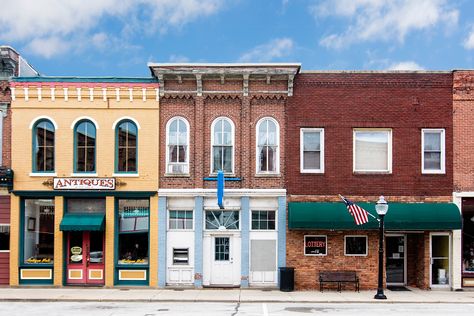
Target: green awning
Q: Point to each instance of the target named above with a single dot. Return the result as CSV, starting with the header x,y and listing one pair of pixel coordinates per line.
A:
x,y
400,216
82,221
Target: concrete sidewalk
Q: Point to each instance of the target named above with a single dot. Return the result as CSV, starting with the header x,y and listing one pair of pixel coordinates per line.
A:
x,y
77,294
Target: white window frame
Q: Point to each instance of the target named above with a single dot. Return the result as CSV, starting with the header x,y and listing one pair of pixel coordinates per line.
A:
x,y
264,210
315,255
321,157
257,152
357,255
389,149
232,129
186,164
178,229
442,133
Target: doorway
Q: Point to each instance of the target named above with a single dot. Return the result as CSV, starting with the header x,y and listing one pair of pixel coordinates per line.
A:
x,y
440,263
85,257
395,256
222,261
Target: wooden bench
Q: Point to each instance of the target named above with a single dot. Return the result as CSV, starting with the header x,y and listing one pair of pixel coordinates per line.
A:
x,y
338,277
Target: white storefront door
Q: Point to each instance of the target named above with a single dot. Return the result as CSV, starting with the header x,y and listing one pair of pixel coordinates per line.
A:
x,y
222,270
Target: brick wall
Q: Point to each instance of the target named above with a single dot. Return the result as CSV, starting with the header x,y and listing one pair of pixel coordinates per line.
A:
x,y
5,97
4,256
340,102
463,109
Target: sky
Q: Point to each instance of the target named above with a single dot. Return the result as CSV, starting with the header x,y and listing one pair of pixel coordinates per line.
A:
x,y
119,37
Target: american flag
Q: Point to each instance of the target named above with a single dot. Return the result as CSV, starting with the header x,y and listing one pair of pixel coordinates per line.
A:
x,y
359,214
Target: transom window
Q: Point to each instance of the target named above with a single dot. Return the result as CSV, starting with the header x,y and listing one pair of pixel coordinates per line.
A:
x,y
267,146
180,220
43,146
126,147
222,145
263,220
85,142
433,160
222,220
312,150
177,157
373,150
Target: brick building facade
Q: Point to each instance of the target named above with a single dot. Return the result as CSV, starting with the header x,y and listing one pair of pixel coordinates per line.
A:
x,y
232,118
369,134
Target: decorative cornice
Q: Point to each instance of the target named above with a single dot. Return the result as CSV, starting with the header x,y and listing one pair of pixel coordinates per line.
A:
x,y
228,192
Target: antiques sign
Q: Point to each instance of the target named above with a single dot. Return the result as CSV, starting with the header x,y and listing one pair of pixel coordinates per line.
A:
x,y
315,245
84,183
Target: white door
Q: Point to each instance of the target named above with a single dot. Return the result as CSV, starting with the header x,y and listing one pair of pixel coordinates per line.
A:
x,y
222,261
440,263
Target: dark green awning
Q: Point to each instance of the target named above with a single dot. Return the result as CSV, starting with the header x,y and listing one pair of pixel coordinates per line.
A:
x,y
400,216
82,221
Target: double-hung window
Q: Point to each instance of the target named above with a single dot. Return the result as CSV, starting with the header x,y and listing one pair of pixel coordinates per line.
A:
x,y
312,150
43,146
267,146
85,144
177,146
222,145
373,150
181,220
433,151
126,139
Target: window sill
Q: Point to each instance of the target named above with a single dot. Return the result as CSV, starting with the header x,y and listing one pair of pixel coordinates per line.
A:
x,y
43,174
125,175
181,230
85,174
302,171
425,172
177,175
267,175
372,173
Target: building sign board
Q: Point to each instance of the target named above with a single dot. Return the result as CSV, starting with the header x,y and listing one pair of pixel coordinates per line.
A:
x,y
315,245
84,183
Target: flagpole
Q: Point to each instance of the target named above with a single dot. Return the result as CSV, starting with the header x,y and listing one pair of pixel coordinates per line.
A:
x,y
342,198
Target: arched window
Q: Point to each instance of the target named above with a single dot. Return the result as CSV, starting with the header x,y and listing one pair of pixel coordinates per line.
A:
x,y
267,146
84,143
177,146
222,145
126,140
43,146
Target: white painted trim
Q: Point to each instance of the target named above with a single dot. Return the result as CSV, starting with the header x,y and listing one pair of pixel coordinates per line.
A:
x,y
114,125
223,64
40,96
74,270
257,154
188,130
84,118
13,93
441,131
357,255
228,192
232,129
389,150
43,174
463,194
53,96
79,94
321,157
4,251
91,94
43,117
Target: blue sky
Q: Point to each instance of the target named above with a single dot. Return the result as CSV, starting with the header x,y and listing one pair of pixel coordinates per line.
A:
x,y
119,38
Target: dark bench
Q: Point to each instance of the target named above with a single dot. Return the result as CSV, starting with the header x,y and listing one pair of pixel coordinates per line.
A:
x,y
338,277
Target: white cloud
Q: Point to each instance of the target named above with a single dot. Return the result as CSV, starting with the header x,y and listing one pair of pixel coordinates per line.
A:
x,y
276,48
178,59
406,65
33,22
48,47
469,42
383,19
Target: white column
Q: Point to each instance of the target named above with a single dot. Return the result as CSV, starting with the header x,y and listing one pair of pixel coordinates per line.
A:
x,y
456,276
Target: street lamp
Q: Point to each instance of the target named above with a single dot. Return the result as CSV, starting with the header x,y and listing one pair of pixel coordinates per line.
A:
x,y
381,208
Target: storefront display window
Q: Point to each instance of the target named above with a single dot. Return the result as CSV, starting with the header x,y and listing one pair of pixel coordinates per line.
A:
x,y
468,242
355,245
38,231
133,217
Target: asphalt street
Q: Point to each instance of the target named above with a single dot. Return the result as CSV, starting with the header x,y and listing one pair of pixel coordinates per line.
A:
x,y
229,309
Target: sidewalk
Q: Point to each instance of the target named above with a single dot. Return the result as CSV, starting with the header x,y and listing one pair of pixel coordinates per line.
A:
x,y
77,294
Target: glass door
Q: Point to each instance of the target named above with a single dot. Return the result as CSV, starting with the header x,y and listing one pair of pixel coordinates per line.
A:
x,y
440,260
395,259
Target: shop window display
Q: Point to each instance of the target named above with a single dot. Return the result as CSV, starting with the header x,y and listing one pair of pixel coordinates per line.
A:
x,y
38,231
468,242
133,216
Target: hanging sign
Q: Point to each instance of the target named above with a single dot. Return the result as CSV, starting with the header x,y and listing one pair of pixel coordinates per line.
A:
x,y
315,245
84,183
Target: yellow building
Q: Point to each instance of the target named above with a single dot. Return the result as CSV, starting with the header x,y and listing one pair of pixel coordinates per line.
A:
x,y
84,202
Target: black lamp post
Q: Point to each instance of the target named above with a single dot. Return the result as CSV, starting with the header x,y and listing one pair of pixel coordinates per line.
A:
x,y
381,208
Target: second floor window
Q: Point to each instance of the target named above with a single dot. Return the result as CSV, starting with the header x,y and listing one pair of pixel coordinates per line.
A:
x,y
85,142
433,151
312,150
177,138
267,146
127,147
373,150
222,145
43,147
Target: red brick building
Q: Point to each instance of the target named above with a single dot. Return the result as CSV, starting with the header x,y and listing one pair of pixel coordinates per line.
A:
x,y
229,117
361,135
463,103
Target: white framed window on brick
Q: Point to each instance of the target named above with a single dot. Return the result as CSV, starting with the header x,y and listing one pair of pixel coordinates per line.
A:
x,y
433,151
373,150
355,245
312,150
315,245
268,149
180,220
177,146
263,220
222,143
